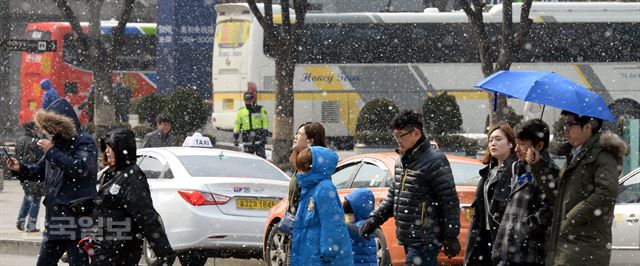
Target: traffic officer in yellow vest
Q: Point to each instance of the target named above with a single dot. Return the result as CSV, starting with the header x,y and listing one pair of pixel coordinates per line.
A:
x,y
252,122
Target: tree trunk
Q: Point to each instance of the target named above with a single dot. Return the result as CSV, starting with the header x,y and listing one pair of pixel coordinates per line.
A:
x,y
509,47
284,101
104,112
498,110
284,43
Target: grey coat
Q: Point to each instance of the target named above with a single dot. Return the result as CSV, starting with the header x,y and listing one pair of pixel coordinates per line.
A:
x,y
156,139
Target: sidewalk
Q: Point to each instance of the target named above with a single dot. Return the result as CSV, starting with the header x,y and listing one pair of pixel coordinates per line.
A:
x,y
13,241
16,242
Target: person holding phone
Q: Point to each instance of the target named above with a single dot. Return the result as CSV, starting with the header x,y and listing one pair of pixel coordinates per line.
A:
x,y
6,158
69,169
28,151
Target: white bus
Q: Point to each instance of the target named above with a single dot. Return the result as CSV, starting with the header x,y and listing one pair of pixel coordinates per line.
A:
x,y
348,59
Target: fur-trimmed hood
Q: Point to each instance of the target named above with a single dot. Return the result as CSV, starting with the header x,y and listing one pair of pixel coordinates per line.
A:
x,y
57,121
614,144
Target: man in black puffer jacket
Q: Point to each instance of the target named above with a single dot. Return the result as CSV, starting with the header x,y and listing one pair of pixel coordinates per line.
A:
x,y
422,199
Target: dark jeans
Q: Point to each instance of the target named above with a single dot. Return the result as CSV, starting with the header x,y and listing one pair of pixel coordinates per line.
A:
x,y
257,149
30,206
122,116
421,254
52,250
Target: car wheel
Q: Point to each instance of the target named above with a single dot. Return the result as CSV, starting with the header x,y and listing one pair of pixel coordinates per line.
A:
x,y
382,252
149,256
278,249
192,259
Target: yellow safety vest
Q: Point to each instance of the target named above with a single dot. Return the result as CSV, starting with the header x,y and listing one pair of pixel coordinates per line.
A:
x,y
251,123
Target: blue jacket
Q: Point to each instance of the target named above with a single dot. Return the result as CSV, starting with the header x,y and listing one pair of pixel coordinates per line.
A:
x,y
50,94
364,251
69,169
320,234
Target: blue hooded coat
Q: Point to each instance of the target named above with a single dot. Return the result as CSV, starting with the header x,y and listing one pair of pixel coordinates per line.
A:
x,y
50,94
68,169
364,251
320,234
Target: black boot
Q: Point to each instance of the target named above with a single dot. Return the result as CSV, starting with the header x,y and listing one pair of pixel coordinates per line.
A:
x,y
20,225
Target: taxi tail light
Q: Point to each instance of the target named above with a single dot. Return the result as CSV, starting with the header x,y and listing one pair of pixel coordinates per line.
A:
x,y
197,198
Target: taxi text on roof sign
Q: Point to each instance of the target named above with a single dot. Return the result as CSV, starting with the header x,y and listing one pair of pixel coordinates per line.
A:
x,y
197,140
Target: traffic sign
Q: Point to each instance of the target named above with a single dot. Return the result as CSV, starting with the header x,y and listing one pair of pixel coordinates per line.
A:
x,y
34,46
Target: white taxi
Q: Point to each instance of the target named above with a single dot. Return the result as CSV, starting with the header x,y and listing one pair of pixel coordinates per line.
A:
x,y
213,202
625,249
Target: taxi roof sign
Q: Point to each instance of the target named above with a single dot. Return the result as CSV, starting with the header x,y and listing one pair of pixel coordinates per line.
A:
x,y
197,140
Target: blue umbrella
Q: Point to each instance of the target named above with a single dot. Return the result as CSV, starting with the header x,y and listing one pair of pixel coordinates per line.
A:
x,y
548,88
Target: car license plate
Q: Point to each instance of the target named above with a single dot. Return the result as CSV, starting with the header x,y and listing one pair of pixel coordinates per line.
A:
x,y
244,203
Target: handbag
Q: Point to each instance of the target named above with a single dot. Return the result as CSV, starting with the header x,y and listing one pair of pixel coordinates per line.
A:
x,y
286,224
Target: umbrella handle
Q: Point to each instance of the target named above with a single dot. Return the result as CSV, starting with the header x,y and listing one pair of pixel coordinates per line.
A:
x,y
542,113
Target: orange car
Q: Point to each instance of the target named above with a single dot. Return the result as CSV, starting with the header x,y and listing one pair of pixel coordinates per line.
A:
x,y
375,171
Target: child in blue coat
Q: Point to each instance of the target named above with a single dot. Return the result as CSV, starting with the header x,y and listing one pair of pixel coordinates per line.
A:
x,y
320,234
358,205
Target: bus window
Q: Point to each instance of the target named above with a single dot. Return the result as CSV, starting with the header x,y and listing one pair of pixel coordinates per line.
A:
x,y
232,33
227,104
73,54
38,35
344,43
138,54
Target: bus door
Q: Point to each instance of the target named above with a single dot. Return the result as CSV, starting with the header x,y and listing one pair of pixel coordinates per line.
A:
x,y
231,56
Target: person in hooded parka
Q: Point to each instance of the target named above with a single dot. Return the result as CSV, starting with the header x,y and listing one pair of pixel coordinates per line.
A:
x,y
358,205
124,199
69,169
320,234
587,188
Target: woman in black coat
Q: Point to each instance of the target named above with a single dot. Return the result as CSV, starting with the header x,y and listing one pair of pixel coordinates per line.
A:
x,y
125,212
492,195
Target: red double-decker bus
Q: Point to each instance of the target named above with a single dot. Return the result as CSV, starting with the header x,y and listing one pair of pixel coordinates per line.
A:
x,y
70,72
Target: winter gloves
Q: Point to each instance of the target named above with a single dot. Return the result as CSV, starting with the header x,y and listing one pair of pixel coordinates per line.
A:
x,y
369,227
451,247
235,139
